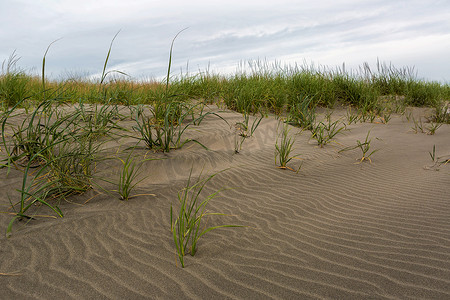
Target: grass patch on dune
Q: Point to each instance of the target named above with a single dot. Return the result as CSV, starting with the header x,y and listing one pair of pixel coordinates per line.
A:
x,y
365,148
284,147
188,225
274,88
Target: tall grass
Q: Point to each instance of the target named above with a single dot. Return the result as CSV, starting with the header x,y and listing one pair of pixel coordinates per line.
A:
x,y
164,128
302,113
266,87
13,83
57,150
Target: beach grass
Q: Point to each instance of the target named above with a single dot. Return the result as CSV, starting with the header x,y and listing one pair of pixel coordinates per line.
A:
x,y
189,224
324,131
284,147
128,176
267,87
365,148
244,130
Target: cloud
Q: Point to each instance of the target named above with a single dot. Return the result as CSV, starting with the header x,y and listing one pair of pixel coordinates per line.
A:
x,y
222,34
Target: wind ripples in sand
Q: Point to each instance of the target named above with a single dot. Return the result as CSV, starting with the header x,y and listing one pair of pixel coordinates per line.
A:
x,y
334,230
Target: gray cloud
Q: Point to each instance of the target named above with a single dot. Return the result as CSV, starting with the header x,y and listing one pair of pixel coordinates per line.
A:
x,y
224,33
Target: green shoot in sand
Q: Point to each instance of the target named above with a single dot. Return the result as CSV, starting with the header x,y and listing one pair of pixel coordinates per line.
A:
x,y
187,228
364,147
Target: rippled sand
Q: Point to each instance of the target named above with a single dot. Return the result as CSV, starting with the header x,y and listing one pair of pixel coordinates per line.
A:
x,y
337,229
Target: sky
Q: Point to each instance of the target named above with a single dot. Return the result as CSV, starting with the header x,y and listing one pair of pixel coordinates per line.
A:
x,y
221,36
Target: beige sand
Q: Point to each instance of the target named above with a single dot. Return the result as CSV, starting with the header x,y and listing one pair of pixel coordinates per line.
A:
x,y
334,230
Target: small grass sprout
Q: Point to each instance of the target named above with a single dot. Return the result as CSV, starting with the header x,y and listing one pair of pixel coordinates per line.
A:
x,y
372,116
243,130
418,125
128,177
438,160
284,148
324,132
187,228
433,154
386,117
351,116
238,141
433,127
364,147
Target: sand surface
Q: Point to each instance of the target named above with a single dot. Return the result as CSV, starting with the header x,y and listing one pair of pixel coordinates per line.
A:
x,y
336,229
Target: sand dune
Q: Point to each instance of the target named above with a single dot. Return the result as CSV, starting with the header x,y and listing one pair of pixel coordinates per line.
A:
x,y
337,229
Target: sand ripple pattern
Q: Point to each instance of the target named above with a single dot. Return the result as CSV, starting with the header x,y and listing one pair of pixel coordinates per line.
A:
x,y
335,230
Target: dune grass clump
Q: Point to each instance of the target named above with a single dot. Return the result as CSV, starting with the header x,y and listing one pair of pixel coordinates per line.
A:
x,y
67,168
13,83
324,132
56,156
364,147
283,149
43,128
73,162
163,130
99,120
244,130
352,116
302,113
128,176
169,118
441,113
189,225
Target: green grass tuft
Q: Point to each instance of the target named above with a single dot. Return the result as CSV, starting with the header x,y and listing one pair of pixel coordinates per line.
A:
x,y
189,225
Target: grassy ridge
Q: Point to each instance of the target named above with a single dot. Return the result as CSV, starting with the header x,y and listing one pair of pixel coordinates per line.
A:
x,y
265,87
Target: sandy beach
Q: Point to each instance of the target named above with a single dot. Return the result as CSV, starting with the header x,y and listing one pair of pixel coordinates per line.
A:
x,y
337,229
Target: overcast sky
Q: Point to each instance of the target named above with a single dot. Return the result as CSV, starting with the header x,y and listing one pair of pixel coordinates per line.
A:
x,y
221,34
